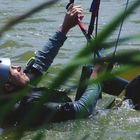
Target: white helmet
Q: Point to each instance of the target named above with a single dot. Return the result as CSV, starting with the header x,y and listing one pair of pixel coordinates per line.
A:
x,y
5,64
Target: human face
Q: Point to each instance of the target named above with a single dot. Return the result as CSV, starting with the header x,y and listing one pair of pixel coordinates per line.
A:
x,y
17,76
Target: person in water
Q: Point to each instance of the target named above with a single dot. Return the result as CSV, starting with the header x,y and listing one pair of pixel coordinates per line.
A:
x,y
13,78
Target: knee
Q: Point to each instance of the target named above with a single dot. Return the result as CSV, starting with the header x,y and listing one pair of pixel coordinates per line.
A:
x,y
133,90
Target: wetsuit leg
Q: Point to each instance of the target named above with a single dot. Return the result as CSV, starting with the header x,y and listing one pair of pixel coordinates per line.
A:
x,y
133,91
114,86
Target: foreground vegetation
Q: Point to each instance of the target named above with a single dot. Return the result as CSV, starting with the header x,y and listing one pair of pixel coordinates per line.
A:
x,y
83,57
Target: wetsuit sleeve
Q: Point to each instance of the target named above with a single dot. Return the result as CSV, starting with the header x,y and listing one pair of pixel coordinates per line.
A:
x,y
56,111
81,108
45,56
86,104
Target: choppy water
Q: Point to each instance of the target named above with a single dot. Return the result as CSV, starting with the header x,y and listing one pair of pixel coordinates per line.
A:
x,y
24,39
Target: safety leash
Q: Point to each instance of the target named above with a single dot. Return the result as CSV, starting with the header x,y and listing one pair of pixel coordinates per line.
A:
x,y
94,9
110,65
